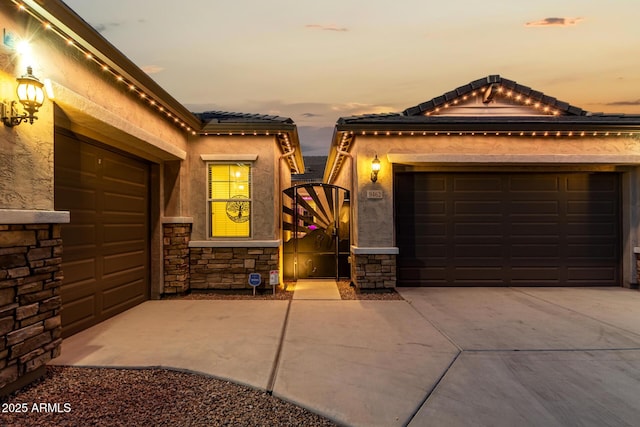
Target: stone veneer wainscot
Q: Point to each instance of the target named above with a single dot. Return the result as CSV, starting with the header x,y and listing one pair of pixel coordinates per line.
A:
x,y
373,268
30,280
175,247
214,266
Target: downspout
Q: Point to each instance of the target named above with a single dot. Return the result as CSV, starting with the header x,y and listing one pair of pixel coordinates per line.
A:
x,y
281,249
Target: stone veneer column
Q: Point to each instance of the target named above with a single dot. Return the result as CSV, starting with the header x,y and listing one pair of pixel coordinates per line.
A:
x,y
176,237
229,267
30,280
373,268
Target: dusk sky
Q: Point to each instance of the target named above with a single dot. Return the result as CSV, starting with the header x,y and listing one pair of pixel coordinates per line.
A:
x,y
315,61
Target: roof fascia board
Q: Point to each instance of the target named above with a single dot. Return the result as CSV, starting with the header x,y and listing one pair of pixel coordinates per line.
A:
x,y
634,126
248,127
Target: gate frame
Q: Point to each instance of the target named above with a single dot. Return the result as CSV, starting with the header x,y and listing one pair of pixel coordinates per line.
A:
x,y
336,223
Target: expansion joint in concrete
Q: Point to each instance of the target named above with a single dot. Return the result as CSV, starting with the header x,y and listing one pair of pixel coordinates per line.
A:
x,y
276,360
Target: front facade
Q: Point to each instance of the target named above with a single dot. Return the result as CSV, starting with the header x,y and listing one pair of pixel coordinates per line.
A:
x,y
491,184
116,193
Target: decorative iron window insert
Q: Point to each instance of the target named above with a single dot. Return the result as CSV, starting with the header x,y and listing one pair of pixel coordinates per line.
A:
x,y
229,199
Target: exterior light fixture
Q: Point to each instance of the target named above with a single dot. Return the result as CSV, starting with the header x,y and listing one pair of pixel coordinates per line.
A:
x,y
30,94
375,168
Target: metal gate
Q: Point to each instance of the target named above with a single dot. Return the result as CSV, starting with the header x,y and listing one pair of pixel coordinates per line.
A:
x,y
316,231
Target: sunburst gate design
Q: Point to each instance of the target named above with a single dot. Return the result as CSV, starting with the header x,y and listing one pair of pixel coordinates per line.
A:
x,y
316,231
238,209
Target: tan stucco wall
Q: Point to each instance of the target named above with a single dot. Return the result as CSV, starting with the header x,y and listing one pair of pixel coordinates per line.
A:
x,y
26,157
265,194
373,224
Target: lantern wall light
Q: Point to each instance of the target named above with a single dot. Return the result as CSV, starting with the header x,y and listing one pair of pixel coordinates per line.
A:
x,y
30,94
375,168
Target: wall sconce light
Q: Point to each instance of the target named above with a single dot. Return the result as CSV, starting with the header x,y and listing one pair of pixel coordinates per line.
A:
x,y
375,168
31,96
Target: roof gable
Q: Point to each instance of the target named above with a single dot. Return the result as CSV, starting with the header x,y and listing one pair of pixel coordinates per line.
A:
x,y
494,96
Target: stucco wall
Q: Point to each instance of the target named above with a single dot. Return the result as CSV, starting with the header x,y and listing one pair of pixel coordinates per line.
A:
x,y
26,157
264,180
375,227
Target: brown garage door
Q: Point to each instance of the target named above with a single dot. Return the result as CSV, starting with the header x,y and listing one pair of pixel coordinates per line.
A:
x,y
495,229
106,245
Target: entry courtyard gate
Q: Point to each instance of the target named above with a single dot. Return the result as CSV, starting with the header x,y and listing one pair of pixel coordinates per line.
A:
x,y
316,231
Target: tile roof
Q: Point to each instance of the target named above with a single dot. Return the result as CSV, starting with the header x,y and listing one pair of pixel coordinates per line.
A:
x,y
314,169
230,117
284,130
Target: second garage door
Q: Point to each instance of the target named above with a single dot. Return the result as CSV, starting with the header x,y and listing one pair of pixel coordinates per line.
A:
x,y
105,258
507,229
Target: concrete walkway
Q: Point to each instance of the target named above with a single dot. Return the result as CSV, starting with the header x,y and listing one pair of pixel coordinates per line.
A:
x,y
316,289
456,356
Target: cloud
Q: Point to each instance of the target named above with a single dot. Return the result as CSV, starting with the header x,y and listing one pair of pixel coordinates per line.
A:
x,y
311,115
554,22
152,69
356,108
634,103
327,27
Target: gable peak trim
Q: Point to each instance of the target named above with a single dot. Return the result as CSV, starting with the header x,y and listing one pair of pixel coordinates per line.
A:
x,y
491,87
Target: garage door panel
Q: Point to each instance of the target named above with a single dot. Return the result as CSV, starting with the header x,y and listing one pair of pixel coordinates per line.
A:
x,y
537,229
534,207
478,229
480,251
424,206
525,185
77,270
79,312
124,203
591,207
592,229
477,183
591,250
470,274
125,170
125,233
430,229
585,275
560,229
477,208
78,199
123,261
584,183
79,235
533,250
417,276
528,274
106,245
432,251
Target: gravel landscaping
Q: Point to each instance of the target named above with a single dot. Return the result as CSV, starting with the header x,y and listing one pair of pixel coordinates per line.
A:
x,y
238,294
347,292
146,397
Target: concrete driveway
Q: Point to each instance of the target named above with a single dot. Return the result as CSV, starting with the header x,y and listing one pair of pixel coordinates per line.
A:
x,y
534,356
443,357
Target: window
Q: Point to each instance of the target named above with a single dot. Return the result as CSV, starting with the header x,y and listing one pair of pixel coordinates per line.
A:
x,y
229,199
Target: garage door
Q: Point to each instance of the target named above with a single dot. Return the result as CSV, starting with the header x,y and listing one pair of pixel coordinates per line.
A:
x,y
106,245
494,229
